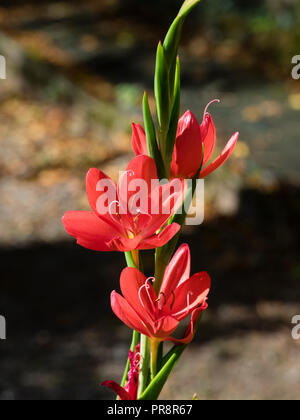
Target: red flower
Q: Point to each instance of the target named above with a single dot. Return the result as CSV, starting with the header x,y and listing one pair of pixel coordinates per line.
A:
x,y
117,222
188,150
131,388
159,316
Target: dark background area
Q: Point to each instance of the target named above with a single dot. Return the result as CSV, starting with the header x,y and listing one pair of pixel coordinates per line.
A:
x,y
76,74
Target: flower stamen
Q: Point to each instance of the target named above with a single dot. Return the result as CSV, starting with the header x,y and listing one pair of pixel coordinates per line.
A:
x,y
147,286
115,215
208,105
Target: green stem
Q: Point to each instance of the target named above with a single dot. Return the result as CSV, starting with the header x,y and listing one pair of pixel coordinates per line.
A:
x,y
144,366
169,362
154,389
154,356
162,139
131,262
160,356
163,255
134,260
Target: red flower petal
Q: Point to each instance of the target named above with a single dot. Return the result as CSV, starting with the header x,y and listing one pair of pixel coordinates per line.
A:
x,y
177,271
161,239
140,168
208,136
125,244
139,142
118,390
94,178
90,231
190,294
222,158
191,330
167,200
166,328
132,280
127,314
92,187
172,195
187,155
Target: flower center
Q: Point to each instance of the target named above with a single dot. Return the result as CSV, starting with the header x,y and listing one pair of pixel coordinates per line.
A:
x,y
161,300
130,234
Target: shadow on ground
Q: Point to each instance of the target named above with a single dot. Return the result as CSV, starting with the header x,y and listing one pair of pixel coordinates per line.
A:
x,y
62,335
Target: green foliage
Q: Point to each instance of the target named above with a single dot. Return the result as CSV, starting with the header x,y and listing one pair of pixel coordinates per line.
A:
x,y
153,150
162,90
175,114
167,86
154,389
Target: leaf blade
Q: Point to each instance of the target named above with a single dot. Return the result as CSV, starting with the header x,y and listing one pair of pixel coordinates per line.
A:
x,y
171,137
152,146
154,389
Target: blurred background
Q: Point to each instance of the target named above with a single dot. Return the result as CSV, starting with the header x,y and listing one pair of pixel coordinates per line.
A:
x,y
76,72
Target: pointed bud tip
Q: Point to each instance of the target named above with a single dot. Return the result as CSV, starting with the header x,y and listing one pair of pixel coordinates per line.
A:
x,y
184,248
189,115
